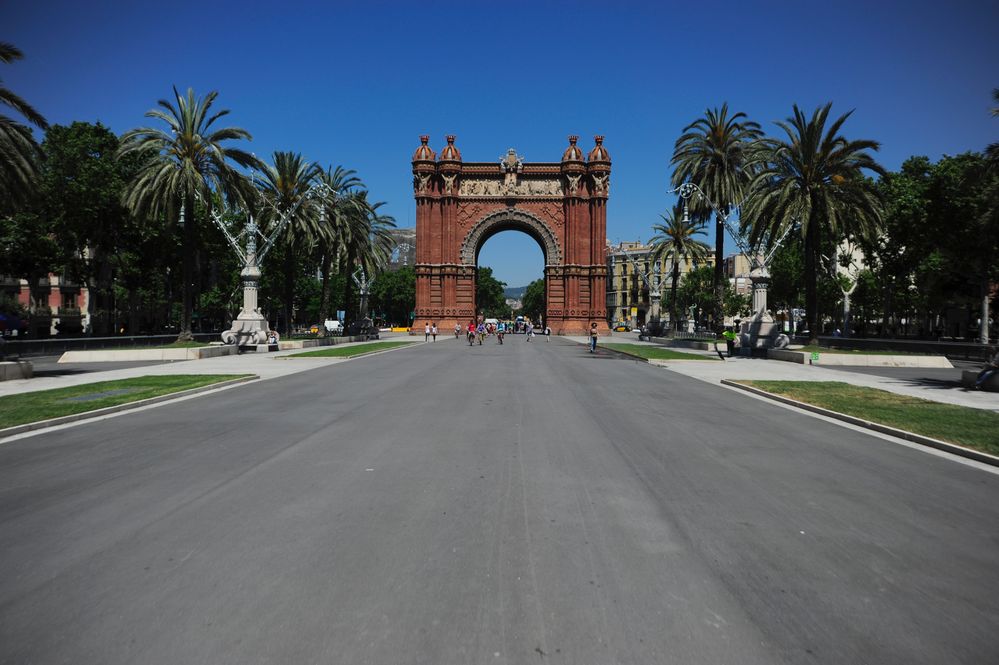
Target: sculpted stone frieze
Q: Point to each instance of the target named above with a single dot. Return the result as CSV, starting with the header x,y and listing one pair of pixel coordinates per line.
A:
x,y
491,187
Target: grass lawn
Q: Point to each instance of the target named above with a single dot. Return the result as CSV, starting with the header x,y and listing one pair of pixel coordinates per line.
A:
x,y
655,352
974,428
857,352
44,404
347,351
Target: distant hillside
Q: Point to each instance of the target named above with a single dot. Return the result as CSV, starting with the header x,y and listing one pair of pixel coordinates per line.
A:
x,y
514,291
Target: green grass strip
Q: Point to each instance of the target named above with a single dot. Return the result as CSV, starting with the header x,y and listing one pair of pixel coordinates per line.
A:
x,y
655,352
45,404
974,428
350,351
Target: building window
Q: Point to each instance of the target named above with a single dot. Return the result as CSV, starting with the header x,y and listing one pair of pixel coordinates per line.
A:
x,y
69,300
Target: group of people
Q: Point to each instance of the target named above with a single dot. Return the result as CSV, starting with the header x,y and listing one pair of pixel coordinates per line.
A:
x,y
479,331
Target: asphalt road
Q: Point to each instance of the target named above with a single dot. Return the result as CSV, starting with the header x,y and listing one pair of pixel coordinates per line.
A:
x,y
524,503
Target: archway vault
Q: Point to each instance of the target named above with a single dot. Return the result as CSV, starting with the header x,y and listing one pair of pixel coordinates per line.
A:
x,y
562,205
510,219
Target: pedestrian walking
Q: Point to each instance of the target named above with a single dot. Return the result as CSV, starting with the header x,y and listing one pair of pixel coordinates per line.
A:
x,y
530,331
548,334
457,330
426,332
433,331
593,337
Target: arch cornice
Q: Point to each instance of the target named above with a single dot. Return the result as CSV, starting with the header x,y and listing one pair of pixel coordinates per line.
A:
x,y
510,218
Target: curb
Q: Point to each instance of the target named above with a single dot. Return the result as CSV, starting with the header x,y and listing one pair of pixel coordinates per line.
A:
x,y
951,448
292,356
97,413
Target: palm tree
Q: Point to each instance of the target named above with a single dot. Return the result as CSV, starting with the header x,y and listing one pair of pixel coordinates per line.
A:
x,y
184,162
813,180
341,212
284,187
711,154
19,153
675,238
365,244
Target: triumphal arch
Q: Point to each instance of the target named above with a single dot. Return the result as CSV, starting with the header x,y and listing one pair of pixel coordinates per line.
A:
x,y
562,205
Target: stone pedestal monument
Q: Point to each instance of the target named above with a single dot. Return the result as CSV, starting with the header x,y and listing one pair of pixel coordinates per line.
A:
x,y
249,330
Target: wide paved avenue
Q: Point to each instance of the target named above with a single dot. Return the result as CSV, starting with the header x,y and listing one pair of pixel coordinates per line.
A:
x,y
524,503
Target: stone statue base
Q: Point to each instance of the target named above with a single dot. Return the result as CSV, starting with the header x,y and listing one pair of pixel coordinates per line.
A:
x,y
248,331
760,331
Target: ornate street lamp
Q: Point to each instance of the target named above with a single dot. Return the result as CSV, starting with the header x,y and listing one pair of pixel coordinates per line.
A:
x,y
761,322
249,329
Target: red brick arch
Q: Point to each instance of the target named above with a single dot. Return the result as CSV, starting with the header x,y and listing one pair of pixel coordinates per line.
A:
x,y
562,205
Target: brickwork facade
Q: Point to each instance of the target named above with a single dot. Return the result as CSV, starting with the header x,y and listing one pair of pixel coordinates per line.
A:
x,y
561,205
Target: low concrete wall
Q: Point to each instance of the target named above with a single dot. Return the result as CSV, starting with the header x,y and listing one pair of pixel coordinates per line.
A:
x,y
857,359
139,355
19,369
685,343
322,341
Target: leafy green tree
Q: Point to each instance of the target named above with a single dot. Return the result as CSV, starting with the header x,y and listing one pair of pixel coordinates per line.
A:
x,y
908,239
490,298
963,196
814,180
284,187
992,151
186,161
534,300
19,153
82,181
676,238
712,154
394,294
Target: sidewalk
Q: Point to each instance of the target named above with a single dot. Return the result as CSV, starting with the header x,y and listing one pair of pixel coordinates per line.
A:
x,y
264,365
777,370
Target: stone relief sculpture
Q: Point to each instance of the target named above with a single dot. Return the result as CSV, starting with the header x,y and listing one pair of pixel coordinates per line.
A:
x,y
421,182
573,183
471,187
511,164
601,184
449,182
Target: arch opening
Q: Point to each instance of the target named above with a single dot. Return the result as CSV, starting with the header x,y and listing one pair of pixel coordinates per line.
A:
x,y
513,259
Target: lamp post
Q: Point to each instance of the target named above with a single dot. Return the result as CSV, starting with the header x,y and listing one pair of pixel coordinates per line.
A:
x,y
249,329
761,323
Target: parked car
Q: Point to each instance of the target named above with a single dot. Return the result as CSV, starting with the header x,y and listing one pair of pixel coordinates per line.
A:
x,y
621,326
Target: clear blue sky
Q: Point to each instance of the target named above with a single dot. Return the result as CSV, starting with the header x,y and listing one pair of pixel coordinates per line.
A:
x,y
357,83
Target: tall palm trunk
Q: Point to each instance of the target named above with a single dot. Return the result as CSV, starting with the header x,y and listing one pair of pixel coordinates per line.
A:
x,y
811,283
348,291
719,285
672,295
289,287
325,309
188,272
